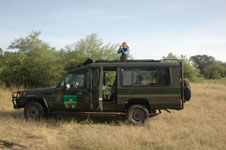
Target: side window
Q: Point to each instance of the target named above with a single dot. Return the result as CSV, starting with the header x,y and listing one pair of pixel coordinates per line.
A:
x,y
61,83
163,76
127,77
145,77
76,80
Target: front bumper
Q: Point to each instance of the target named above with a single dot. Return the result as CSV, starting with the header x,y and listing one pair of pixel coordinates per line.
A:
x,y
17,100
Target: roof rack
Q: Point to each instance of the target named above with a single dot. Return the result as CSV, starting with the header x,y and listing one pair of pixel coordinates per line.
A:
x,y
170,60
89,61
136,60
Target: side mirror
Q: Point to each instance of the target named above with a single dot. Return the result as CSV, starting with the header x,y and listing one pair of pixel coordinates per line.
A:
x,y
67,86
104,80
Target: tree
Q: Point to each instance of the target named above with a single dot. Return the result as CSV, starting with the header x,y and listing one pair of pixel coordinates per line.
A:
x,y
1,52
35,64
12,70
215,71
202,61
1,57
190,71
90,47
28,43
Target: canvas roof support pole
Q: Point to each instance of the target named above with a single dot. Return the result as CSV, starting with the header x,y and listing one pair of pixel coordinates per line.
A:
x,y
100,89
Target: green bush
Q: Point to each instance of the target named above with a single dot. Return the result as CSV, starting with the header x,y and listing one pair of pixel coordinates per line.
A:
x,y
215,71
35,64
190,72
90,47
202,61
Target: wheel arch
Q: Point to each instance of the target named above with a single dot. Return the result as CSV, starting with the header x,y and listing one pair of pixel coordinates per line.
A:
x,y
140,101
40,100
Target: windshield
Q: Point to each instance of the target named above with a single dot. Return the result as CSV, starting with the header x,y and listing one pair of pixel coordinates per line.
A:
x,y
74,80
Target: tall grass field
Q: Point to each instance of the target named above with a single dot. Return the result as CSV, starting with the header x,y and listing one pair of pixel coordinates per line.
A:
x,y
200,126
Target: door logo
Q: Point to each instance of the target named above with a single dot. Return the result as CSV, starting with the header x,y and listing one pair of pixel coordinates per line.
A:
x,y
70,101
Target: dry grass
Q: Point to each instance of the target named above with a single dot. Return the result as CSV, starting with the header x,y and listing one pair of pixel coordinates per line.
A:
x,y
201,125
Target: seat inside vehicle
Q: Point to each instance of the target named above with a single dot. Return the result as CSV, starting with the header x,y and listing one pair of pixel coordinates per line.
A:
x,y
109,90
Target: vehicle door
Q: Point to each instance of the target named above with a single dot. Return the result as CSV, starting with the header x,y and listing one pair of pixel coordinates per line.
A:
x,y
73,93
97,81
95,88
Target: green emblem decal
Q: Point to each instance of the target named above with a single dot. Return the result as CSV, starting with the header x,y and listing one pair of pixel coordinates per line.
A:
x,y
70,101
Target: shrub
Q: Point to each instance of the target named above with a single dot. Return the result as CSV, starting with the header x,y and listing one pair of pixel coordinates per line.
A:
x,y
190,72
215,71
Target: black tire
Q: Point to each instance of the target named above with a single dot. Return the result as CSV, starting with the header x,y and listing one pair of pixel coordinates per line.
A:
x,y
34,111
187,90
137,114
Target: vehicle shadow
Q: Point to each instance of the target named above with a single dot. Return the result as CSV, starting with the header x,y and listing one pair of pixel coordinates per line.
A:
x,y
88,119
85,119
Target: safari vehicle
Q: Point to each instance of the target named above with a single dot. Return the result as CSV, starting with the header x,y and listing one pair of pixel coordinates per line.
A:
x,y
135,88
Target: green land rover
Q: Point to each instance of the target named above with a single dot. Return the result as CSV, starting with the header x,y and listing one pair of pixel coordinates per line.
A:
x,y
135,88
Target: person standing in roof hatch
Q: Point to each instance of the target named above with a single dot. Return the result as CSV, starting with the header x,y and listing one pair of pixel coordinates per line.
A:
x,y
124,49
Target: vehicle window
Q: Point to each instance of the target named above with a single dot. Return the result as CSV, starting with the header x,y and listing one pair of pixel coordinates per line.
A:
x,y
127,77
146,77
75,80
62,83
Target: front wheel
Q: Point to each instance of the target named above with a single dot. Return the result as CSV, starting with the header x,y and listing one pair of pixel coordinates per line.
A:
x,y
137,114
34,111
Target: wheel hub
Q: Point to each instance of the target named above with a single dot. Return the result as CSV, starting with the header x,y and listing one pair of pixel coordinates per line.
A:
x,y
138,115
32,112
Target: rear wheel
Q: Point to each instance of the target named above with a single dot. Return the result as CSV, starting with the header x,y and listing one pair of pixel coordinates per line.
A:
x,y
137,114
34,111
